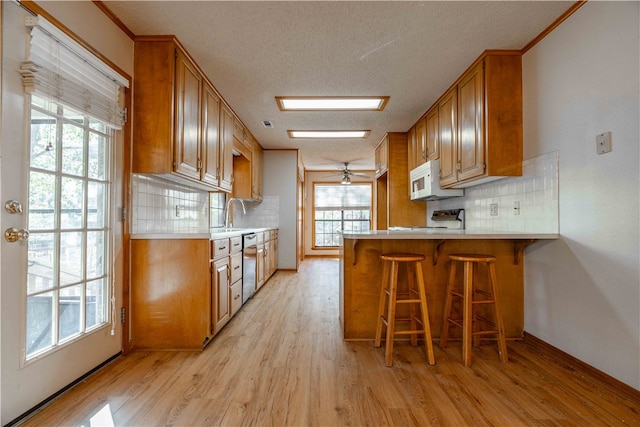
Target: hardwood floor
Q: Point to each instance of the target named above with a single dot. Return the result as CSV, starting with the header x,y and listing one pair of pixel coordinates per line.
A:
x,y
282,361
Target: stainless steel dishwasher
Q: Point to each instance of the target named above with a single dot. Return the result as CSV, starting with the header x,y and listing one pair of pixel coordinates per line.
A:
x,y
249,251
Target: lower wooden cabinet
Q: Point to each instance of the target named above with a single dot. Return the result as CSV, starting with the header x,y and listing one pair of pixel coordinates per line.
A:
x,y
170,294
220,281
184,291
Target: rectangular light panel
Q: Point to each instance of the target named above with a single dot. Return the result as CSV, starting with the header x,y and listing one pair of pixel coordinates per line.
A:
x,y
328,133
335,103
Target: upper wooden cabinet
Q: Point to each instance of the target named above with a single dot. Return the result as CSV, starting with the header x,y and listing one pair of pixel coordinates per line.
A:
x,y
413,148
393,206
176,119
447,133
432,137
475,128
382,156
247,171
256,170
488,142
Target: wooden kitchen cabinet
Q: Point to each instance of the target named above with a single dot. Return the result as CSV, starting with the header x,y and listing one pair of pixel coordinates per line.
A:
x,y
413,148
256,170
170,294
271,253
487,143
226,280
421,141
381,156
447,132
247,171
260,263
220,283
432,137
176,121
393,207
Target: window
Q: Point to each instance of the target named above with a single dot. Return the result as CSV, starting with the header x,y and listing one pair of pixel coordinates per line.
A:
x,y
68,273
338,208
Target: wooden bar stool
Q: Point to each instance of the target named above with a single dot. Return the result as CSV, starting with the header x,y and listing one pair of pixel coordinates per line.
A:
x,y
412,297
470,320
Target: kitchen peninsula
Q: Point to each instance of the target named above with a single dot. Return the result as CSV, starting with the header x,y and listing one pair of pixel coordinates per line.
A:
x,y
361,272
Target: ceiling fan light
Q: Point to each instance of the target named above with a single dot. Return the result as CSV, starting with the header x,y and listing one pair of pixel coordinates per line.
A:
x,y
346,180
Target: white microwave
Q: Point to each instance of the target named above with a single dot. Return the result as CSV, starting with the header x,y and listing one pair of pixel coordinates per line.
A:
x,y
425,183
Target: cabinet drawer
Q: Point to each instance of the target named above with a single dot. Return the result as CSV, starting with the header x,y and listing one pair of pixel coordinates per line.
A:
x,y
236,244
235,296
219,247
236,267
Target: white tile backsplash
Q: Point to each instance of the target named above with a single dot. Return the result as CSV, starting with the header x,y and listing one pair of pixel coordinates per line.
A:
x,y
161,206
264,214
536,190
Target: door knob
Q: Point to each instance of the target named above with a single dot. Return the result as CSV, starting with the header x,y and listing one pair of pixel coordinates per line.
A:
x,y
13,206
13,234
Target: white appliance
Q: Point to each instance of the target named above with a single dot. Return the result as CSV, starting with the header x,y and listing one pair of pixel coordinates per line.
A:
x,y
425,183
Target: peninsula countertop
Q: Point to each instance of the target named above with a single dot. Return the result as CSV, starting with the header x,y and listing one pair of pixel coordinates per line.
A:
x,y
422,233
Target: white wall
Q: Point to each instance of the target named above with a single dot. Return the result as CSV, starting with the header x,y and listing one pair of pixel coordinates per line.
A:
x,y
582,293
279,187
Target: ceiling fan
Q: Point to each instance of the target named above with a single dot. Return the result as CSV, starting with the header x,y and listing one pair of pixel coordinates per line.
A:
x,y
346,174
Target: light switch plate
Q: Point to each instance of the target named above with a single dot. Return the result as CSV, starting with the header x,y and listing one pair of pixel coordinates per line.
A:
x,y
603,143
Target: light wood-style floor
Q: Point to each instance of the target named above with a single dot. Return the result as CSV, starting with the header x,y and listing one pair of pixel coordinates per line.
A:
x,y
282,362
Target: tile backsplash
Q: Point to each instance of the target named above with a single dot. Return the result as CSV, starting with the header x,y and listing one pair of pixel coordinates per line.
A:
x,y
264,214
536,191
162,206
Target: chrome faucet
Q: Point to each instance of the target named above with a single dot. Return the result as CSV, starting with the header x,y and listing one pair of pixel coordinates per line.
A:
x,y
226,215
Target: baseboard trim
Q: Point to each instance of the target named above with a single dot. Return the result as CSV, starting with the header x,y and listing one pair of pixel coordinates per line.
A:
x,y
540,345
60,392
337,256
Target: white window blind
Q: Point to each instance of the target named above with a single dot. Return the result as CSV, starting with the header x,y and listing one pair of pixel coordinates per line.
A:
x,y
60,69
342,197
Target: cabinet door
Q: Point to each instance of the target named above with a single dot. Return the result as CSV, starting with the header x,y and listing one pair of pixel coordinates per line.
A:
x,y
187,156
421,141
432,136
381,156
210,136
413,148
259,266
470,134
256,171
447,117
220,314
225,161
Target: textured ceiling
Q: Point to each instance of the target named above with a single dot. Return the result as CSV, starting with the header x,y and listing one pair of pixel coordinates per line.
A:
x,y
410,51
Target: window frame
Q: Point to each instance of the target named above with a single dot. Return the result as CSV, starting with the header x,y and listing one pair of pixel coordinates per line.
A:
x,y
313,211
109,136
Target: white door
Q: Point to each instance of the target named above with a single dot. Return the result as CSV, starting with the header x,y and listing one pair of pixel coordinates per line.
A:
x,y
57,318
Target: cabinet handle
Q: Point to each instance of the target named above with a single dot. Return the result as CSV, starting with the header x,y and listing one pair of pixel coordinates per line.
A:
x,y
222,248
236,297
236,267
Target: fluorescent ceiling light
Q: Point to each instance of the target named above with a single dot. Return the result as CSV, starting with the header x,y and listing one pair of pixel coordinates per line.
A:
x,y
328,133
336,103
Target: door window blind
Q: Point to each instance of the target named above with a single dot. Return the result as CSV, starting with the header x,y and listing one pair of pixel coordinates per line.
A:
x,y
60,69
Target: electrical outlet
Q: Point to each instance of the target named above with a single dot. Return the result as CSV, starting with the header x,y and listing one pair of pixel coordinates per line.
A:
x,y
603,143
516,208
493,209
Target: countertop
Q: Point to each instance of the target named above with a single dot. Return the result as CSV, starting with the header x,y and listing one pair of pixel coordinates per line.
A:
x,y
440,233
212,235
